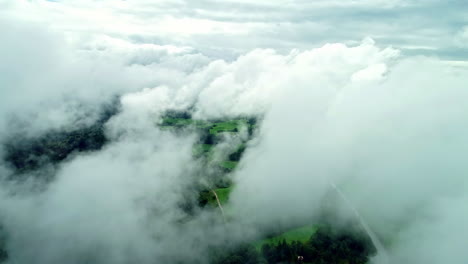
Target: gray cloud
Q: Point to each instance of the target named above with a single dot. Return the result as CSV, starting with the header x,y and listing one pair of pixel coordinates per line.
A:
x,y
229,28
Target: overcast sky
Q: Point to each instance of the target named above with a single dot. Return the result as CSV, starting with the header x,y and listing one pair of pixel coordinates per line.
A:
x,y
228,28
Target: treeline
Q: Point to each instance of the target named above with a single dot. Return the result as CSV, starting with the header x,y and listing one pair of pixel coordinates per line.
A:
x,y
27,154
324,247
30,154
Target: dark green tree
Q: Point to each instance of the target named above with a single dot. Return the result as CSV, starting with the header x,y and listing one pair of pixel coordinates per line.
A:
x,y
244,254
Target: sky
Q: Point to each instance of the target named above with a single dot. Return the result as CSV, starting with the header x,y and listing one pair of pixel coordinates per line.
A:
x,y
224,29
377,86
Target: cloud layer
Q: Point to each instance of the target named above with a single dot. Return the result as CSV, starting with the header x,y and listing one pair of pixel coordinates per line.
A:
x,y
387,128
229,28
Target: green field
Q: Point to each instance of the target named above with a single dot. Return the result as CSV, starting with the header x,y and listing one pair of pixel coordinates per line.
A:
x,y
223,194
229,165
227,126
214,127
301,234
201,149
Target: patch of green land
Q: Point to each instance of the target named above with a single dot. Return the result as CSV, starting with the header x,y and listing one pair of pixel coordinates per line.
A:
x,y
223,194
201,149
301,234
207,197
227,126
214,127
229,165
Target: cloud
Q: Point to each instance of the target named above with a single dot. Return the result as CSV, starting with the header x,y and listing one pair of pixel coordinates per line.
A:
x,y
230,28
69,83
111,212
394,145
389,129
461,39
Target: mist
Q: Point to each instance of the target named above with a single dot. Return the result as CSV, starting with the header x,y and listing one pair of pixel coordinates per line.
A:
x,y
387,127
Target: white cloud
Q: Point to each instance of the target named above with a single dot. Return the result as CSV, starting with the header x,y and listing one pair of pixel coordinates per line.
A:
x,y
388,129
394,146
212,25
461,39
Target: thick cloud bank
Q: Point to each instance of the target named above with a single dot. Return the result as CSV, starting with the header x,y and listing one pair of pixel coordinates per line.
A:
x,y
390,131
393,142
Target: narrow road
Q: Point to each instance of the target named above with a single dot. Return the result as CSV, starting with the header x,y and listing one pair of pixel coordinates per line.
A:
x,y
219,205
381,251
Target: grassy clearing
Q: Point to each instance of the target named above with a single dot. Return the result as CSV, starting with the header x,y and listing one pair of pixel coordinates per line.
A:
x,y
301,234
201,149
223,194
202,124
229,165
228,126
214,128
